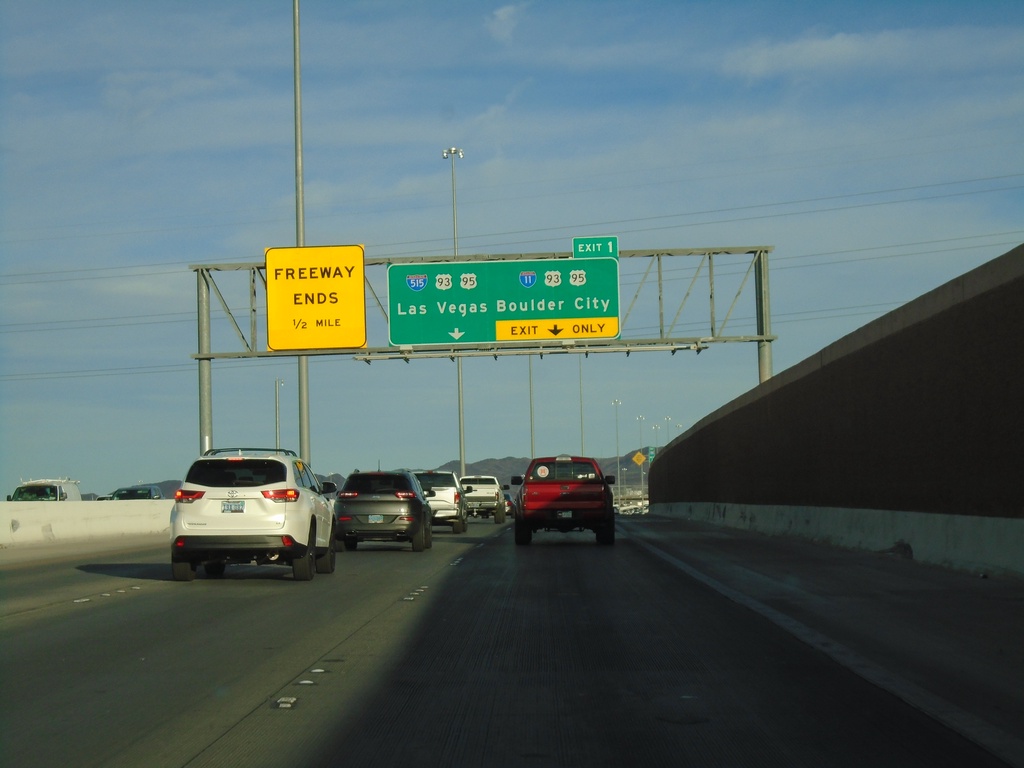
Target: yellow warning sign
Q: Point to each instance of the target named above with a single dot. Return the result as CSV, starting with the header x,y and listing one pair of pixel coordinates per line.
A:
x,y
316,297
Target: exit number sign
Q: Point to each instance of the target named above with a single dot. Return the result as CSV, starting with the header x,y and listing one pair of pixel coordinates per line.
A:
x,y
586,247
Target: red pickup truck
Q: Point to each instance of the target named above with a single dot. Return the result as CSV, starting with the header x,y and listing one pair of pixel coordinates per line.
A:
x,y
564,493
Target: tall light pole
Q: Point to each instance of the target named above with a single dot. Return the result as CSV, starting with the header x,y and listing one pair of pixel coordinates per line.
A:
x,y
300,232
278,383
453,152
583,447
529,362
618,469
668,430
640,421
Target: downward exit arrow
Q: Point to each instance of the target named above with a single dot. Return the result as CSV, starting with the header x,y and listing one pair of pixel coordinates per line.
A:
x,y
555,331
456,334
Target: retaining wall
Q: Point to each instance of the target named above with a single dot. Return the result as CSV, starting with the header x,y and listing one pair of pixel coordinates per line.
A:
x,y
919,412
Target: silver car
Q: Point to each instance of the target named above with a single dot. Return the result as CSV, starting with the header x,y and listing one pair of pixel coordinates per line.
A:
x,y
251,505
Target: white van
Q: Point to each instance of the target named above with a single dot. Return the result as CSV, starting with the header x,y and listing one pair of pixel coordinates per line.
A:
x,y
61,489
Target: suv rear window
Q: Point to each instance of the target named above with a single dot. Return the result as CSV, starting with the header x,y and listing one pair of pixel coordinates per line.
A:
x,y
237,473
563,470
431,480
376,483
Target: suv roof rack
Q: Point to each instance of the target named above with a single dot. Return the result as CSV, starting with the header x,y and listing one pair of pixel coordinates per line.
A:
x,y
248,451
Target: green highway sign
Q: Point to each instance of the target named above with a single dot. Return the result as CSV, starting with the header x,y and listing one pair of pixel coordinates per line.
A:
x,y
474,302
588,247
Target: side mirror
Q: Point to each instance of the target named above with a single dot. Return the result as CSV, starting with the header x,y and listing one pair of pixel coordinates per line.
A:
x,y
329,487
516,480
610,479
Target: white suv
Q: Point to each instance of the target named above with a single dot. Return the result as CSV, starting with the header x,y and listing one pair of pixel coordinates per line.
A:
x,y
245,505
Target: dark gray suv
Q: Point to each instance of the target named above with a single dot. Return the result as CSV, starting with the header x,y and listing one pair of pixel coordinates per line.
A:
x,y
383,506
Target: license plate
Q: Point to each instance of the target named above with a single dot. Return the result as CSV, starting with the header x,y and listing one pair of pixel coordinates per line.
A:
x,y
565,514
376,518
232,506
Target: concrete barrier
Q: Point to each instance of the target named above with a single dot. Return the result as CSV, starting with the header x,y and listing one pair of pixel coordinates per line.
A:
x,y
965,542
28,522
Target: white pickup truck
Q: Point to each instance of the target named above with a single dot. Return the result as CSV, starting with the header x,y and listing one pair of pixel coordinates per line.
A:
x,y
59,489
486,498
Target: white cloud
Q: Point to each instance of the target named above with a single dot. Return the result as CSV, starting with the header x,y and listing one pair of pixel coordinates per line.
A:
x,y
899,52
503,22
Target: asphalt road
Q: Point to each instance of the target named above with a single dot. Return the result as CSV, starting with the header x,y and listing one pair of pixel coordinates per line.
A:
x,y
680,646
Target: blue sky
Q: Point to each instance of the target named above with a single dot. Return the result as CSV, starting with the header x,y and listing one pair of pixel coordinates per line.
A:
x,y
876,146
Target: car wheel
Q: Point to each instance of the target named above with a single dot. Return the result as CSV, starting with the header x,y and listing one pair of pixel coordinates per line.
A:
x,y
183,571
351,542
606,535
459,526
304,568
523,533
499,517
325,563
419,541
214,569
429,537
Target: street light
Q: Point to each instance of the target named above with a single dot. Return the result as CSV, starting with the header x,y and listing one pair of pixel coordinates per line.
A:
x,y
668,430
618,470
453,152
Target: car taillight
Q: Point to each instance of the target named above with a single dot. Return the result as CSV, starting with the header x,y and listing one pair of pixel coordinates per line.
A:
x,y
281,494
347,494
287,541
405,494
187,497
457,497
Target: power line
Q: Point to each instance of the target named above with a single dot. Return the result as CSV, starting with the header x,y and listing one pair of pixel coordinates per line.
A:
x,y
93,273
